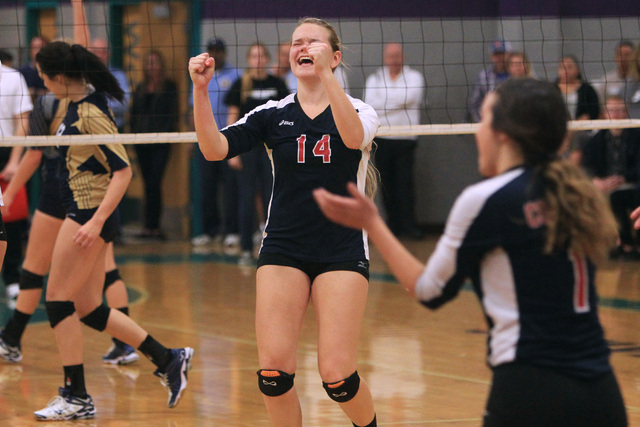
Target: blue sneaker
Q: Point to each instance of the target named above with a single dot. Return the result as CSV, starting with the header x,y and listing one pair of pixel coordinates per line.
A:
x,y
120,354
174,378
66,406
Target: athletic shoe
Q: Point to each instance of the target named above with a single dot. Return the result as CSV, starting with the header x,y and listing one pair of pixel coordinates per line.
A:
x,y
67,407
201,240
120,354
231,240
174,378
246,259
9,352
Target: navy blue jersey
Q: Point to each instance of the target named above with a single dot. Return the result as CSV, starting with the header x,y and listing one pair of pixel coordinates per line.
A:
x,y
306,154
541,308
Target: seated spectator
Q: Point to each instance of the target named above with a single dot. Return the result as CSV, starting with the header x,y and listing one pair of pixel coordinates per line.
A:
x,y
519,66
611,158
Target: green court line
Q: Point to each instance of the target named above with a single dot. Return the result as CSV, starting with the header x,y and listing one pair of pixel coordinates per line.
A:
x,y
615,303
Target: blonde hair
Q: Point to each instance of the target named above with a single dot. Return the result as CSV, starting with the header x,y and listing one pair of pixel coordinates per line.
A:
x,y
373,176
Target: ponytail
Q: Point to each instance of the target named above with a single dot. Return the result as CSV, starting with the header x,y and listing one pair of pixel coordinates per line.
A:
x,y
76,62
578,216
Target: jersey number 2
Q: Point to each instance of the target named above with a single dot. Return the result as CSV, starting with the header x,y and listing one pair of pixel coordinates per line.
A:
x,y
321,149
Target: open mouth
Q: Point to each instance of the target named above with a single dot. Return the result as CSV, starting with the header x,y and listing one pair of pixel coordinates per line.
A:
x,y
305,60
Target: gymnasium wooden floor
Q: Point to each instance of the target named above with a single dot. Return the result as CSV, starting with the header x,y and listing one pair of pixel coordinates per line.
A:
x,y
424,368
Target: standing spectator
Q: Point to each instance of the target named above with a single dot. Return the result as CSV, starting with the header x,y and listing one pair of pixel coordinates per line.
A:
x,y
582,103
253,89
631,92
6,58
612,157
282,69
489,78
518,65
29,71
15,107
396,92
613,82
528,237
216,175
100,48
154,109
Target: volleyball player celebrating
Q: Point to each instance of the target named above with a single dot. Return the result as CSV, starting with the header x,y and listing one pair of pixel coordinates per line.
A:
x,y
528,238
317,137
95,179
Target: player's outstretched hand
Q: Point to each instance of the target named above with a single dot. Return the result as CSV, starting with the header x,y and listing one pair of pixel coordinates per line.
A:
x,y
635,216
357,211
201,69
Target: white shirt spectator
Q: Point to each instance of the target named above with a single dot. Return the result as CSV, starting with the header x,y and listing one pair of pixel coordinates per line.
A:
x,y
398,102
14,99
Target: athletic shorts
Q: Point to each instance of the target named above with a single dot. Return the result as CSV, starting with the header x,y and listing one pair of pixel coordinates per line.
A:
x,y
50,202
3,230
109,229
528,396
314,269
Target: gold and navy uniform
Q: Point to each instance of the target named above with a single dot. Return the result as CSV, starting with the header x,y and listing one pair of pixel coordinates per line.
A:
x,y
306,154
88,167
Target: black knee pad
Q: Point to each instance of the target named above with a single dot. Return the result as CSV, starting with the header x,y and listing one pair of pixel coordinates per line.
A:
x,y
57,311
110,278
274,383
29,280
98,318
345,390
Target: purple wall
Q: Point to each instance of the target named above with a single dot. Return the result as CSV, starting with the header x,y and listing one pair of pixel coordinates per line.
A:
x,y
293,9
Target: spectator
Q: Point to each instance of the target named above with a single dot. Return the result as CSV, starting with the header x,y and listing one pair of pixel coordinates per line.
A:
x,y
396,92
611,157
582,103
489,78
100,48
519,66
15,107
253,89
613,82
29,71
282,69
216,175
631,92
154,109
6,58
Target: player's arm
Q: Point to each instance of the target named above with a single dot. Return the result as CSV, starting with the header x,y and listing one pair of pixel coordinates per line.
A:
x,y
26,168
346,117
360,212
212,143
81,33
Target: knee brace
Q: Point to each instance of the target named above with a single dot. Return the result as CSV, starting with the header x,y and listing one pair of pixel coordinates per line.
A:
x,y
57,311
29,280
274,383
345,390
98,318
110,278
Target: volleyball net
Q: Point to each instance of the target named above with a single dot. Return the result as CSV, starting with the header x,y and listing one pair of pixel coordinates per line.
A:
x,y
448,43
